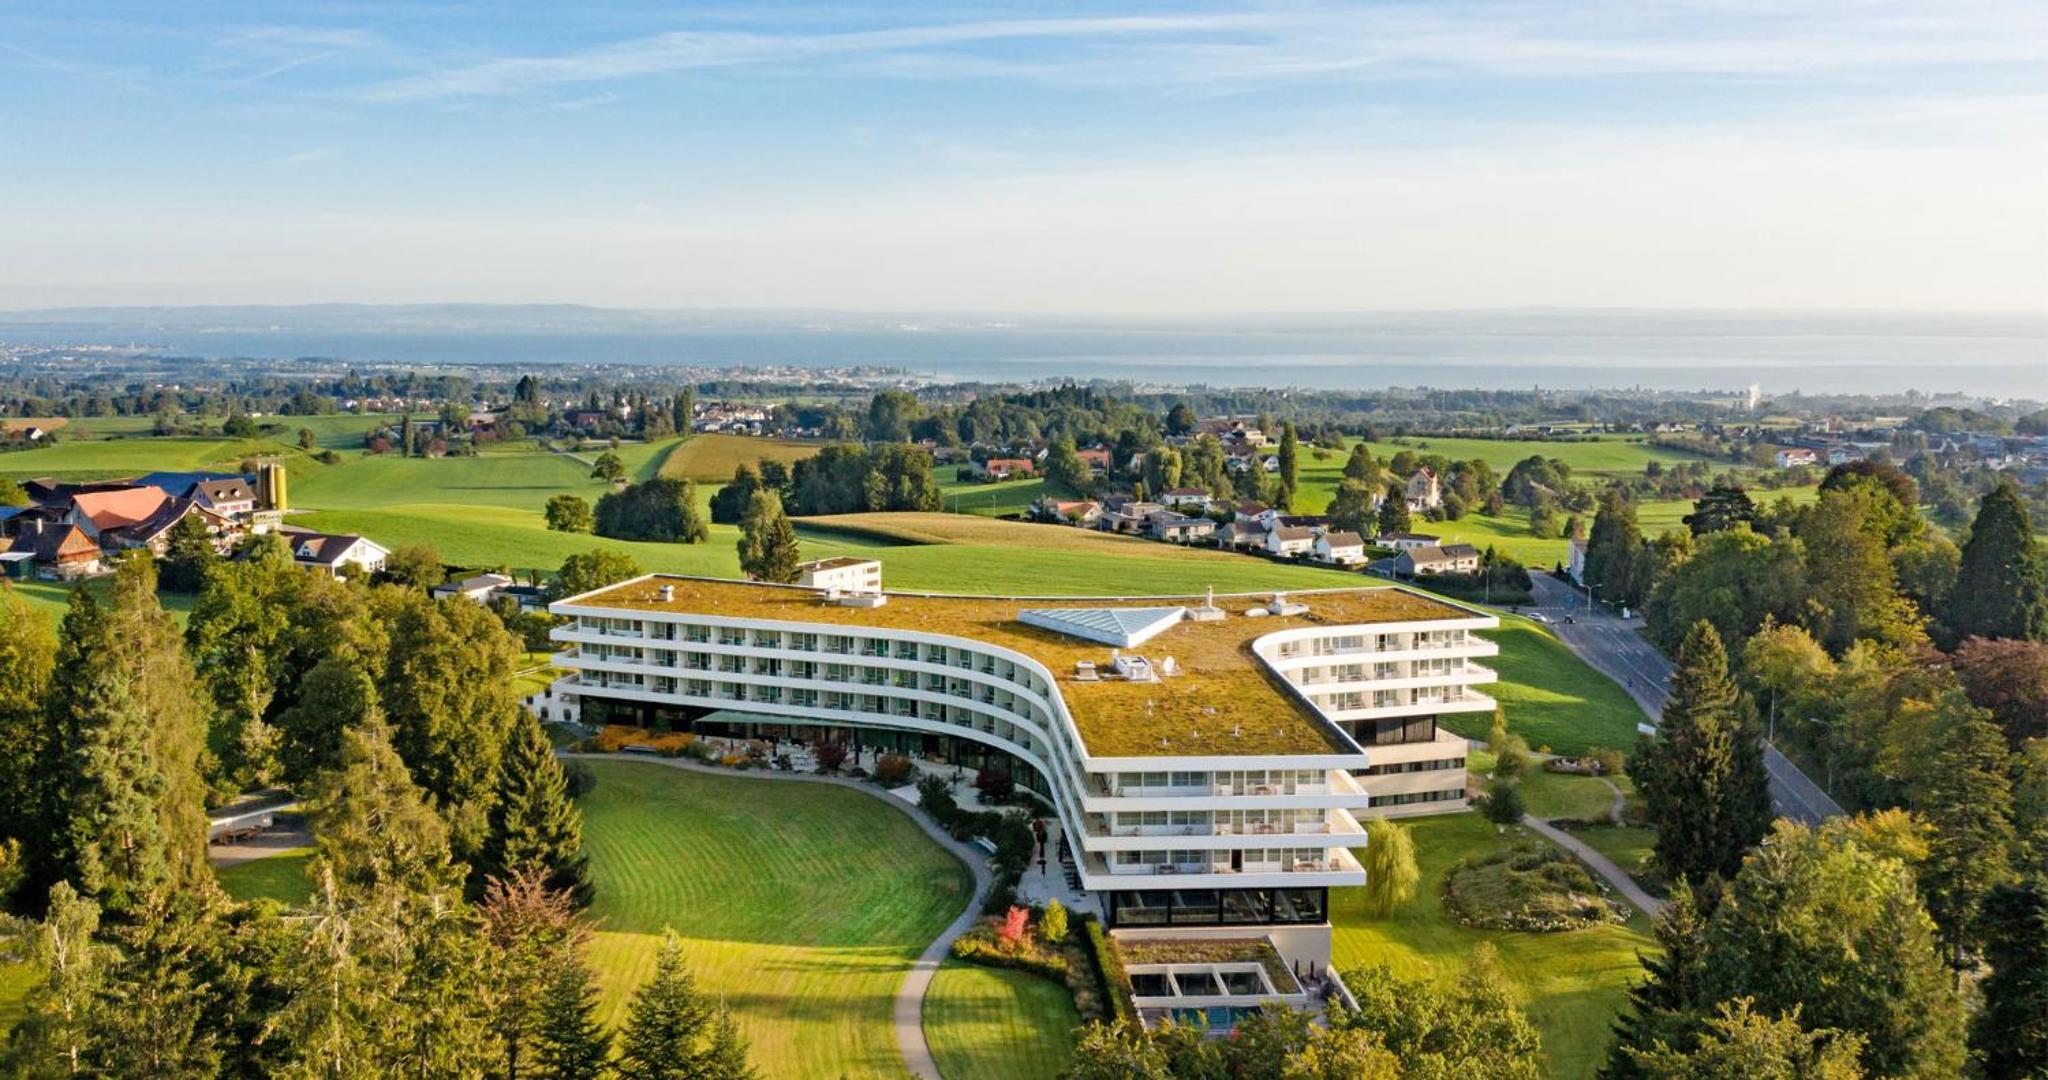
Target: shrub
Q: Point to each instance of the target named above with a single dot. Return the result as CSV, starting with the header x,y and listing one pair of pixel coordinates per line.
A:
x,y
1529,888
580,777
614,737
1052,926
1109,967
937,799
995,786
1502,803
892,770
983,945
1015,922
830,757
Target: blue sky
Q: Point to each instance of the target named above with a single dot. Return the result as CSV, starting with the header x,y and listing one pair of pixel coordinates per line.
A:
x,y
1082,157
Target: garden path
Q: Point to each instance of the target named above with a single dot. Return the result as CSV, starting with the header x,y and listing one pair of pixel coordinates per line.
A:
x,y
1601,864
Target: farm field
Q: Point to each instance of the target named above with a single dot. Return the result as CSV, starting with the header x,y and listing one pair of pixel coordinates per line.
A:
x,y
711,459
991,1024
999,499
100,459
801,905
1571,984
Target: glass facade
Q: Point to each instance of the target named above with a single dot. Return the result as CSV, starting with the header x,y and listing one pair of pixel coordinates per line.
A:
x,y
1217,907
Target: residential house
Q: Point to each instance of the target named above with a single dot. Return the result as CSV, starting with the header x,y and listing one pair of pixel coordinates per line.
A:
x,y
335,555
480,588
1082,512
1175,528
1424,492
1288,541
154,532
1406,541
1795,456
1425,561
1575,562
1097,461
1339,549
1241,535
1256,513
1131,517
1193,499
1844,454
1005,468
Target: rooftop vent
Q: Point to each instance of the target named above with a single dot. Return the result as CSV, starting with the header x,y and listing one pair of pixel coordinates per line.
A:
x,y
667,593
1283,606
1208,612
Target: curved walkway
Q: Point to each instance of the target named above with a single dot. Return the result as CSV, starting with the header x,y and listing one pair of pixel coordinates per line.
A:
x,y
1601,864
909,1008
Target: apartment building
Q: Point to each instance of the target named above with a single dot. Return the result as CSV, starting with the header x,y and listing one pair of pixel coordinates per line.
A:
x,y
1209,758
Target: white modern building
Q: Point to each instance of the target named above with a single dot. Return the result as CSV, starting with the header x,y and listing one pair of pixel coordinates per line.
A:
x,y
1209,758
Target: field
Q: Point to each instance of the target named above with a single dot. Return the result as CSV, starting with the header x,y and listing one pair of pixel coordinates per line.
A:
x,y
999,499
1571,984
1551,697
800,905
711,459
89,460
988,1024
1610,456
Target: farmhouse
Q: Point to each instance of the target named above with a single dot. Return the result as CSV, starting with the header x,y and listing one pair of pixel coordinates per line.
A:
x,y
334,555
1424,493
1207,759
1005,468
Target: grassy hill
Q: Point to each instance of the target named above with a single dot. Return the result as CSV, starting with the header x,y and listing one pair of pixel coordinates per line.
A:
x,y
711,459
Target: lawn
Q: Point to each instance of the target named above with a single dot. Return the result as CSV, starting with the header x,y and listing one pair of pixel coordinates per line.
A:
x,y
800,905
1004,497
1570,984
49,598
988,1024
16,980
711,459
1551,697
280,877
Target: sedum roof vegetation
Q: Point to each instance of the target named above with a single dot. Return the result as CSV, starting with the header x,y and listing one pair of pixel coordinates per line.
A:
x,y
1223,701
1211,951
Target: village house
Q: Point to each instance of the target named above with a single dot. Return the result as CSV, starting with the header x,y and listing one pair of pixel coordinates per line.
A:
x,y
1096,459
154,532
1795,456
1005,468
1082,512
1424,492
1339,549
1425,561
336,556
1241,535
1288,541
1406,541
1131,517
1175,528
1256,513
1193,499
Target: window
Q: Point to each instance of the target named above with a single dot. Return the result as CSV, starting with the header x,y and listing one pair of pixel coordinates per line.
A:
x,y
1414,766
1409,799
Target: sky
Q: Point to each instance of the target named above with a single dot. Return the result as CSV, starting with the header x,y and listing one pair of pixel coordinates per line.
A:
x,y
1081,158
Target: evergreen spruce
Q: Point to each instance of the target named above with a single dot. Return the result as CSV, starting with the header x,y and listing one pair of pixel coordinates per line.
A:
x,y
1702,782
374,826
1616,562
725,1058
1290,466
1665,1007
1967,800
168,691
2011,1036
768,547
535,825
671,1032
1394,516
1999,591
189,555
569,1043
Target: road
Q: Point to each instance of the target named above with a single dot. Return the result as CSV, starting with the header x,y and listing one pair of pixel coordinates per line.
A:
x,y
1617,649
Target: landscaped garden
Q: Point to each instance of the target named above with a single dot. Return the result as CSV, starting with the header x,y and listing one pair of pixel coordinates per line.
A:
x,y
991,1024
1570,983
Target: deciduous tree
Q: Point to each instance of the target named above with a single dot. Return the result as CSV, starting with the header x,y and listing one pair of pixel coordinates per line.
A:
x,y
768,544
569,513
1390,871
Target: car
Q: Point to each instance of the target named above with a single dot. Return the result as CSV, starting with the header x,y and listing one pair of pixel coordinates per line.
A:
x,y
1570,620
1539,616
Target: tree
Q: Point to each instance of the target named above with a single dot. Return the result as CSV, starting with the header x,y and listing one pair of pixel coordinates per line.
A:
x,y
238,426
1394,517
1119,1051
11,493
533,931
1510,751
1967,799
768,545
54,1035
1351,509
1818,922
1064,467
671,1033
1180,419
2011,1036
1724,506
588,572
1663,1009
661,510
1616,563
1469,1026
2009,678
1502,804
1734,580
1290,465
608,468
1851,591
729,503
27,654
1701,775
448,695
416,566
1360,466
534,824
1741,1043
188,556
1999,591
569,1043
1390,871
335,697
570,513
373,825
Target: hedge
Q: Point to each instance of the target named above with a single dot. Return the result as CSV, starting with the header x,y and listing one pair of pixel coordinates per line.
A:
x,y
1109,966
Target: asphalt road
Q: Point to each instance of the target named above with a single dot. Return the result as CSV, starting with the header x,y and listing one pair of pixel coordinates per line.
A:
x,y
1617,649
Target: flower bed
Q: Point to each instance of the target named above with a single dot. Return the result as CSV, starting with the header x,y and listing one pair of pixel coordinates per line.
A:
x,y
1530,888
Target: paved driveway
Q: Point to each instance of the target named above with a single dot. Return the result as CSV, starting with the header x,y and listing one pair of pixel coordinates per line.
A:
x,y
1617,648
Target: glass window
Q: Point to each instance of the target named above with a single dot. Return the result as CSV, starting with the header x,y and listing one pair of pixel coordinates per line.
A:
x,y
1195,907
1245,906
1299,905
1137,909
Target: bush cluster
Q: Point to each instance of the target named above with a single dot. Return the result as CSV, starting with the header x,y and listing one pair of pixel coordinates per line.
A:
x,y
1527,888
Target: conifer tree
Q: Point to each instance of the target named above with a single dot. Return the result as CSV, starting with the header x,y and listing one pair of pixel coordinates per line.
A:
x,y
373,824
569,1043
768,546
693,530
670,1030
1290,465
27,653
1360,466
1616,562
1967,799
535,825
154,1018
1700,778
1394,516
168,691
189,556
2011,1036
533,932
1999,591
1665,1006
725,1058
